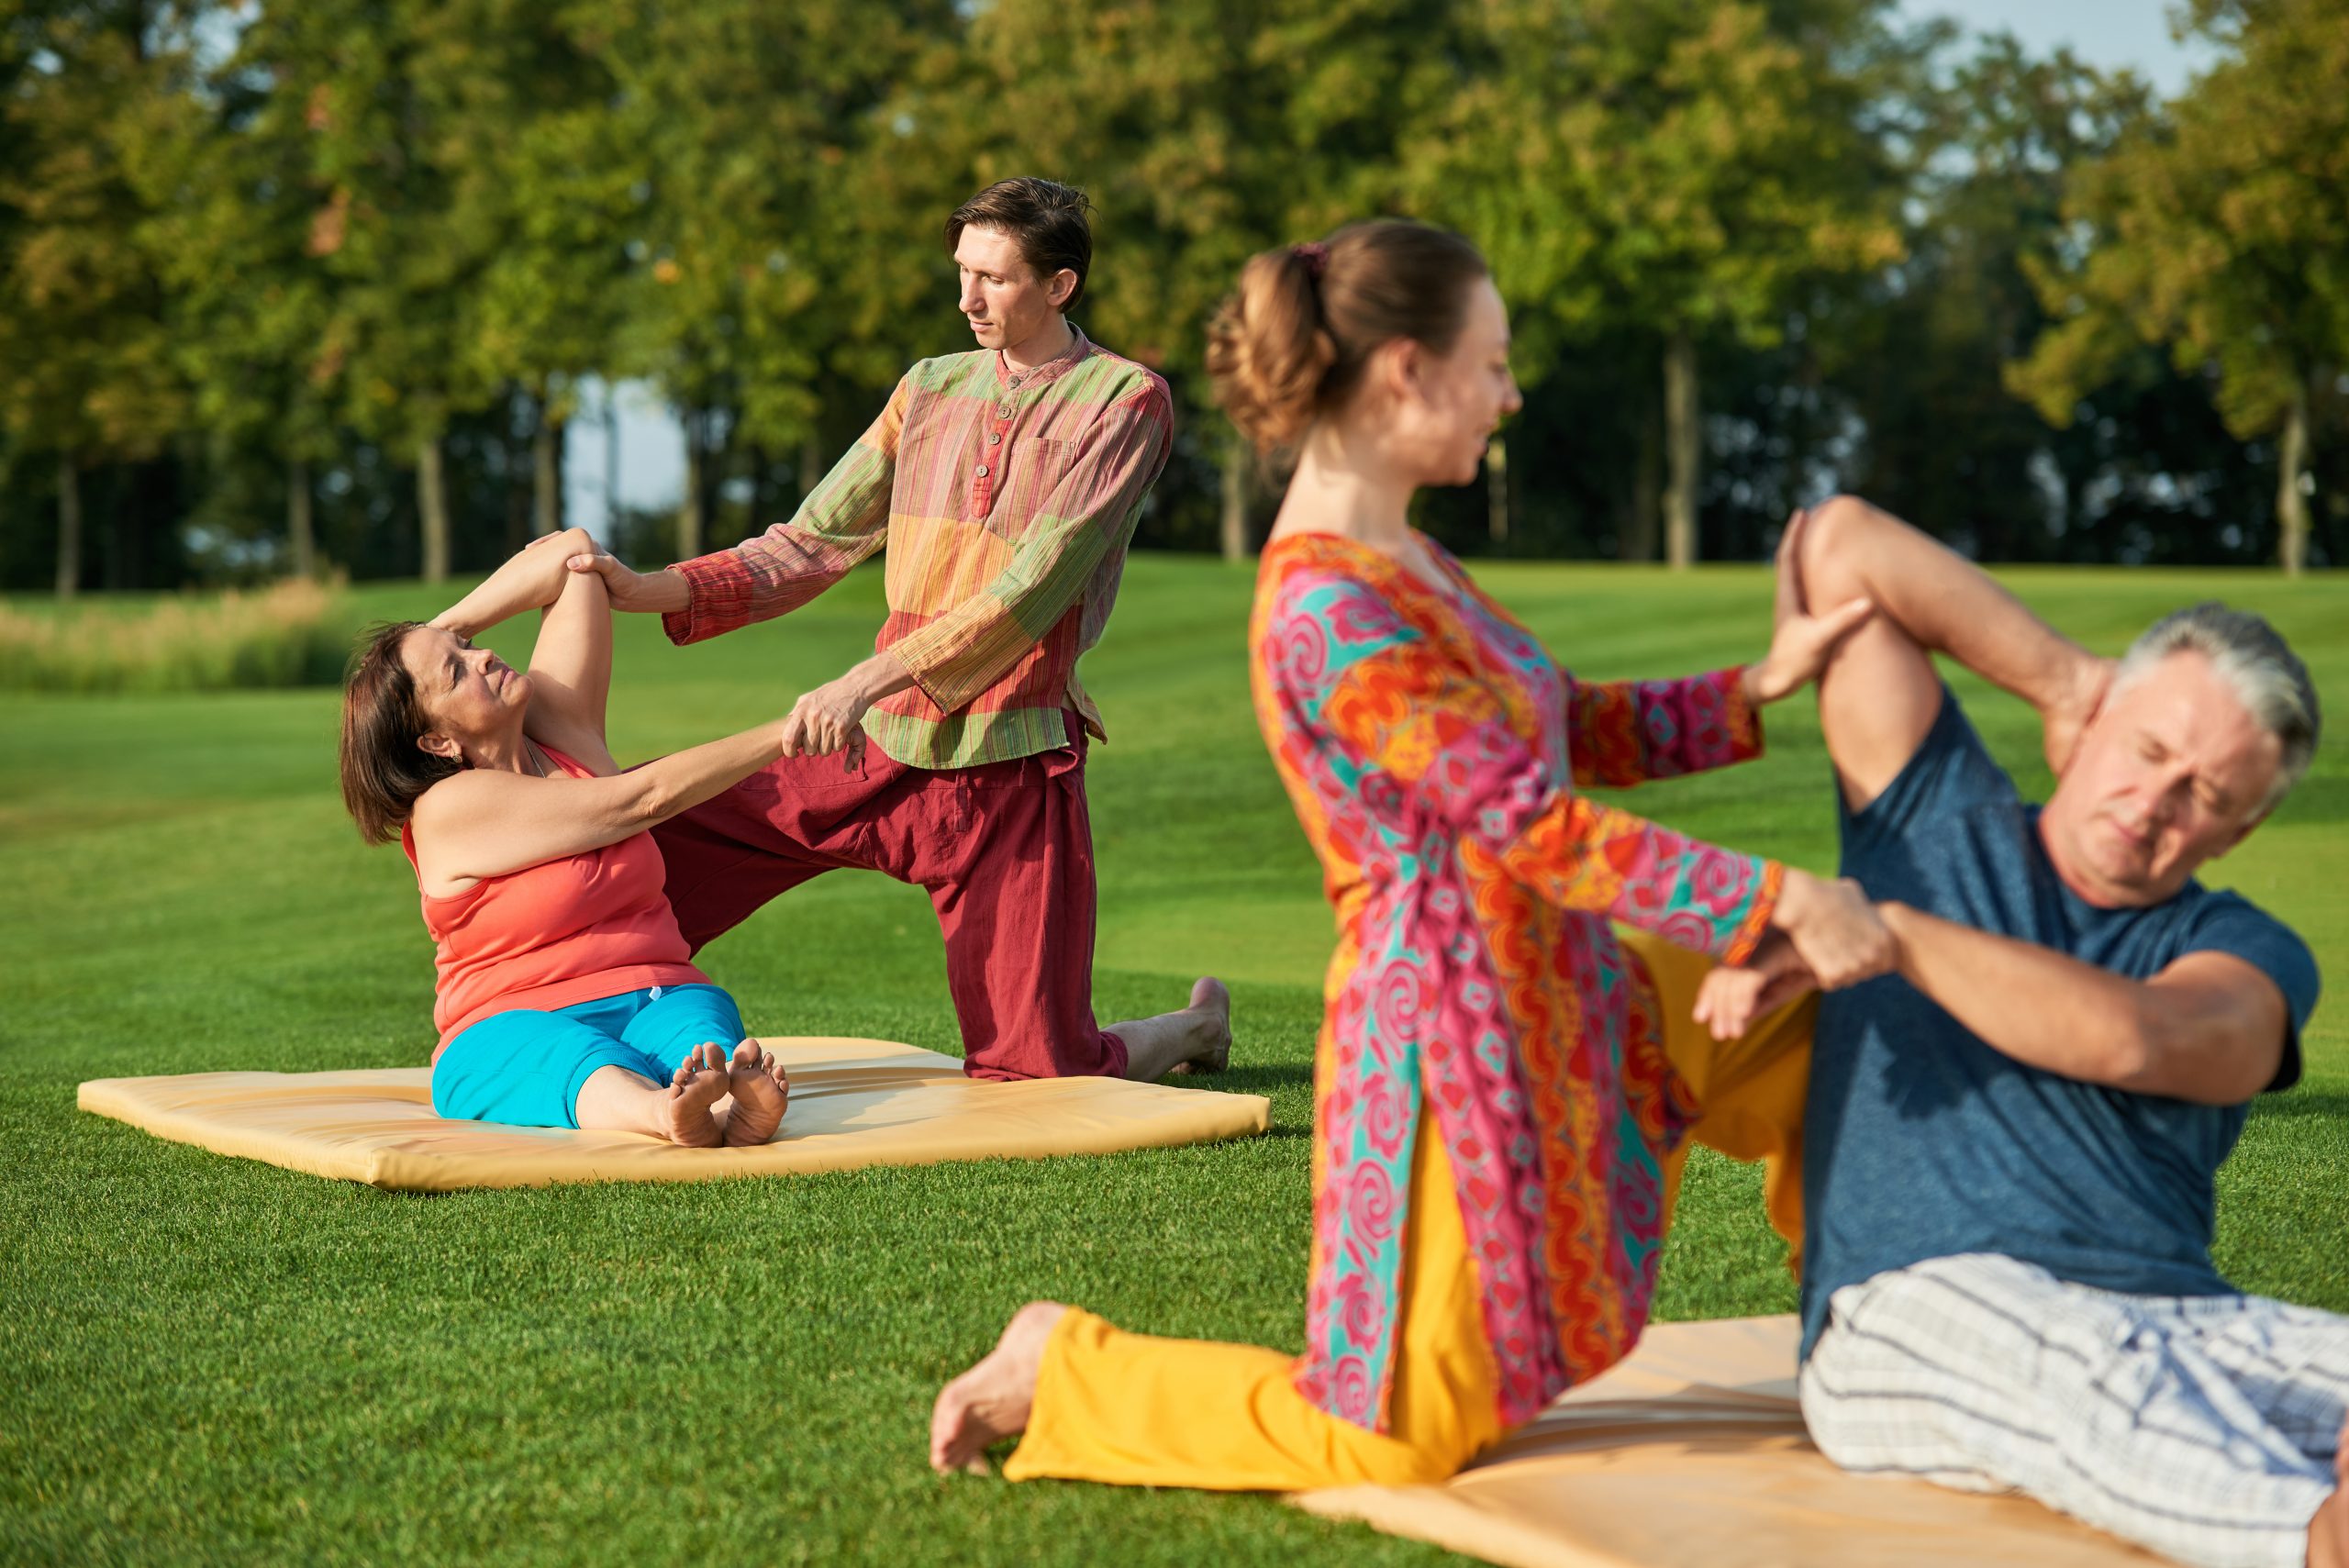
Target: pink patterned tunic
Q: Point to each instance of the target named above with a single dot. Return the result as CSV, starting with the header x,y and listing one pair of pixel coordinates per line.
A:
x,y
1431,747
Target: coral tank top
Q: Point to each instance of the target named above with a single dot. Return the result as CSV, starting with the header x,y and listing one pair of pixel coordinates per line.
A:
x,y
555,934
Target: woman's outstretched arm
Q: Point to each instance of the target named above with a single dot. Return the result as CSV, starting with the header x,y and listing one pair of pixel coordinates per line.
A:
x,y
1626,732
486,822
1396,704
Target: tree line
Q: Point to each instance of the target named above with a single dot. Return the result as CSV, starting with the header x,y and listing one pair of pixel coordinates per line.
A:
x,y
286,285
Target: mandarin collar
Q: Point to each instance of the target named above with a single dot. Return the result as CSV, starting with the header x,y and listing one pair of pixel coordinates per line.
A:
x,y
1079,345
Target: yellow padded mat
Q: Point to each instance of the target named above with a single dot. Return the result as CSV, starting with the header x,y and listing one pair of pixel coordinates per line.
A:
x,y
1691,1454
853,1103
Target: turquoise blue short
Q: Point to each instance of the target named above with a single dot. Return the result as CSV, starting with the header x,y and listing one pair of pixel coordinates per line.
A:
x,y
524,1068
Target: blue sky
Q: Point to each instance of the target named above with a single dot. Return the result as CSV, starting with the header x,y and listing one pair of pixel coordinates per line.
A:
x,y
2109,33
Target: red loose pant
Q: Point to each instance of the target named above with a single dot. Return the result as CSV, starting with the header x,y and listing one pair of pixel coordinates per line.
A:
x,y
1004,851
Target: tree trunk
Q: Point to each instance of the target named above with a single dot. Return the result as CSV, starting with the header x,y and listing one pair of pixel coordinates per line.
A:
x,y
1496,490
811,462
1637,541
692,520
754,507
69,526
2291,503
546,476
301,536
432,507
1684,440
1233,527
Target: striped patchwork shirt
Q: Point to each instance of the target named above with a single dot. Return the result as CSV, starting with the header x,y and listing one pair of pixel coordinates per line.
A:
x,y
1006,501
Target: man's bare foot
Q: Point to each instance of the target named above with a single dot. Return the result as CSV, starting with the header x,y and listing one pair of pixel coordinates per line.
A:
x,y
700,1083
992,1400
1212,1005
761,1091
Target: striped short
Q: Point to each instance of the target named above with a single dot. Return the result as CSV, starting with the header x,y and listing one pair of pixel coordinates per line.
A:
x,y
2203,1428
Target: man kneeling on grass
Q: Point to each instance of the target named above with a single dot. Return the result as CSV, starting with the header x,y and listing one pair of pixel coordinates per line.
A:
x,y
2012,1142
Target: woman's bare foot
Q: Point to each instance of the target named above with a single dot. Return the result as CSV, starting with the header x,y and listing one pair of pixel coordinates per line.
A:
x,y
700,1083
992,1400
761,1091
1211,1008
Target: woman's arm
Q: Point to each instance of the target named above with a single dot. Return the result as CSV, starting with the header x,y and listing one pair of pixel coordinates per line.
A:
x,y
570,674
1400,706
1393,701
531,579
485,822
1627,732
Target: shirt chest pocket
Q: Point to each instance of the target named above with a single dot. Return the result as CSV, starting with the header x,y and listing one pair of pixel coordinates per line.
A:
x,y
1015,481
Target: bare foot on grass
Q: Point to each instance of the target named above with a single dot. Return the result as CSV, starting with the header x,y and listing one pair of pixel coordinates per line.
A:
x,y
992,1401
1212,1006
761,1091
700,1083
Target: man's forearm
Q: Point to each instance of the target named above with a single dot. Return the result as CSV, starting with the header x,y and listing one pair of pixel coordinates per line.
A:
x,y
1948,605
664,592
2038,1005
882,675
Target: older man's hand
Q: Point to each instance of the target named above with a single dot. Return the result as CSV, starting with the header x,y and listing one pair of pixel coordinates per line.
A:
x,y
2064,720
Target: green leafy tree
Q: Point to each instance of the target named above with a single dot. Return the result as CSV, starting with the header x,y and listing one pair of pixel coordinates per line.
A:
x,y
385,85
780,241
2220,230
238,217
1677,166
542,162
84,336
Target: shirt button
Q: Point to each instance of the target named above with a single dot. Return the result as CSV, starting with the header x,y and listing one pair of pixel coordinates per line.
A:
x,y
1004,412
996,440
983,470
655,995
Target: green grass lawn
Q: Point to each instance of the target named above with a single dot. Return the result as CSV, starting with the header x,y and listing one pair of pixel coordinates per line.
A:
x,y
206,1359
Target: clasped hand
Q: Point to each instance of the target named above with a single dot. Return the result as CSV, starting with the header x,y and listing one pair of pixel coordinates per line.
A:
x,y
829,720
1824,934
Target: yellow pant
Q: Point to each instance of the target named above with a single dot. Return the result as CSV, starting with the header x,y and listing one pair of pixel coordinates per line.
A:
x,y
1131,1409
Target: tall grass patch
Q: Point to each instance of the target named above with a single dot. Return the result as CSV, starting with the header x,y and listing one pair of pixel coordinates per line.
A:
x,y
296,633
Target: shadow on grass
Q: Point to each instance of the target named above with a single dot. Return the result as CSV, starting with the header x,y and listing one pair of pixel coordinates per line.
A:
x,y
1259,1080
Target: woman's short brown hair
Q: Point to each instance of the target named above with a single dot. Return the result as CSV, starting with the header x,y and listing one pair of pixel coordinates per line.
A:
x,y
384,769
1292,341
1046,219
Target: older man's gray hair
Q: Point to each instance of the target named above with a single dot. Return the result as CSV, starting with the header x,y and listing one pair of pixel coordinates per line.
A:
x,y
2252,658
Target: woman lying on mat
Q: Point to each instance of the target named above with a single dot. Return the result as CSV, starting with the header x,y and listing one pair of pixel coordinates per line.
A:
x,y
565,998
1504,1087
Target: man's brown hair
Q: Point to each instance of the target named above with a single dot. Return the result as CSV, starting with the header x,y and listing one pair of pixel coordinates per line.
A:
x,y
1047,220
384,769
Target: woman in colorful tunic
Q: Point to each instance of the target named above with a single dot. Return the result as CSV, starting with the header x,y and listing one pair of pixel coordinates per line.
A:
x,y
565,995
1497,1118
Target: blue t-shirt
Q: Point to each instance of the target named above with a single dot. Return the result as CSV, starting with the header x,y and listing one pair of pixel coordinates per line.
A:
x,y
1922,1142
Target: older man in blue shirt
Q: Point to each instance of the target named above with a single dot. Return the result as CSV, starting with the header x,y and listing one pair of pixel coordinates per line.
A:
x,y
2012,1141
